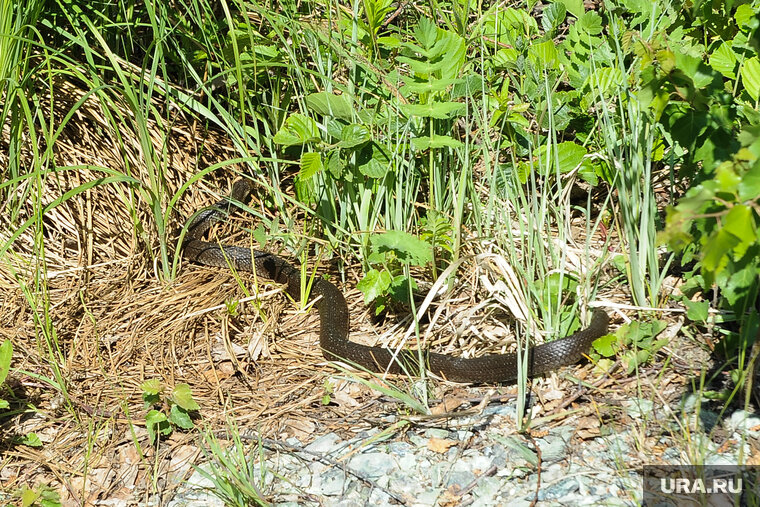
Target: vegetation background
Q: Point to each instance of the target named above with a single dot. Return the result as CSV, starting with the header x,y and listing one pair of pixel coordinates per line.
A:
x,y
536,156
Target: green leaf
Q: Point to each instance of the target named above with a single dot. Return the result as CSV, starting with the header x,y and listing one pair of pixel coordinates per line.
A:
x,y
310,164
152,386
440,110
435,141
335,164
183,396
715,251
373,161
297,130
156,423
430,85
569,156
590,22
31,439
607,345
544,54
723,60
740,222
743,15
407,248
553,16
697,311
179,417
4,404
374,285
6,353
574,7
751,77
353,135
329,104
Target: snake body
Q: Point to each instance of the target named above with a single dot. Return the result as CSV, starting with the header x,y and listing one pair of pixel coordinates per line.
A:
x,y
334,315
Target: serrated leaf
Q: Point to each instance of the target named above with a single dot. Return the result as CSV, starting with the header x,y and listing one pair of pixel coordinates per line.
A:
x,y
298,129
590,22
310,164
330,104
723,60
375,284
334,164
183,396
152,386
6,354
179,417
751,77
436,141
408,249
440,110
553,16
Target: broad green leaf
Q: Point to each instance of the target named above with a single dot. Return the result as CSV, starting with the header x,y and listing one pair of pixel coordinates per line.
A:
x,y
574,7
749,188
298,129
179,417
751,77
715,251
400,289
723,60
697,311
436,141
440,110
6,353
544,54
375,284
373,161
183,396
743,15
740,222
409,249
335,164
606,345
4,404
553,16
310,164
329,104
569,156
152,386
156,423
353,135
590,22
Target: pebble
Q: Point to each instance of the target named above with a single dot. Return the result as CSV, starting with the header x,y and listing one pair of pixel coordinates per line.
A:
x,y
574,472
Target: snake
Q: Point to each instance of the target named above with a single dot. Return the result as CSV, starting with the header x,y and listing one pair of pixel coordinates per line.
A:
x,y
334,315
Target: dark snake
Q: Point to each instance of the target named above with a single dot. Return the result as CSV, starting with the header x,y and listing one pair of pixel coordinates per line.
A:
x,y
334,315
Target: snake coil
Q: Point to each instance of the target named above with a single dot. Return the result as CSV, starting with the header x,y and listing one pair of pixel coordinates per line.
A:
x,y
334,315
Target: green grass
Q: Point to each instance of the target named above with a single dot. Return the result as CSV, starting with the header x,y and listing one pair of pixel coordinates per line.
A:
x,y
526,142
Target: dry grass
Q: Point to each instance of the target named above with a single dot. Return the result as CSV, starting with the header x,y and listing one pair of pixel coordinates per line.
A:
x,y
117,324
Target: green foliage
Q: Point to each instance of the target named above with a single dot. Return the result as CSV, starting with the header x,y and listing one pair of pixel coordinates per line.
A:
x,y
41,495
179,402
393,253
637,341
6,354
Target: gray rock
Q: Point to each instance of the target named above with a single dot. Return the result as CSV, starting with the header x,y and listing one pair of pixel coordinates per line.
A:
x,y
373,465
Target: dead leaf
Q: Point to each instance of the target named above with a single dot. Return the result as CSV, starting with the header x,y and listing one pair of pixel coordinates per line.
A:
x,y
448,405
440,445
